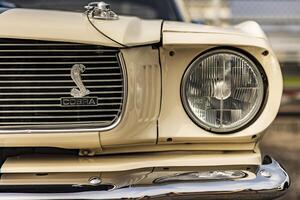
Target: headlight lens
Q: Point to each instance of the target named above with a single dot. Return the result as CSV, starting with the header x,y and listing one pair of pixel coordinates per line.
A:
x,y
222,90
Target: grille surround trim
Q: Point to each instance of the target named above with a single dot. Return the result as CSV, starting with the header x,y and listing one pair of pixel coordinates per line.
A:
x,y
74,127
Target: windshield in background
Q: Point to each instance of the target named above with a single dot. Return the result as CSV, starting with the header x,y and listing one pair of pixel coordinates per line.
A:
x,y
147,9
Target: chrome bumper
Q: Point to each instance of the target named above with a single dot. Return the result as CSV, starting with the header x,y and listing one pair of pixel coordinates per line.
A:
x,y
270,181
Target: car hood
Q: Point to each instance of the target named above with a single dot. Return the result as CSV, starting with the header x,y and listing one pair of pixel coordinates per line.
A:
x,y
76,27
124,32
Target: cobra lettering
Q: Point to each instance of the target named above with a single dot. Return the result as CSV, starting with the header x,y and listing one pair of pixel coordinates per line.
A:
x,y
89,101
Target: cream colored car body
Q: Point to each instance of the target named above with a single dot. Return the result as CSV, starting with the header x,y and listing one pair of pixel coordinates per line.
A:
x,y
153,99
153,119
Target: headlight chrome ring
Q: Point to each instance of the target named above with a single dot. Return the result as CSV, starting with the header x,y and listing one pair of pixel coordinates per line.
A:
x,y
223,90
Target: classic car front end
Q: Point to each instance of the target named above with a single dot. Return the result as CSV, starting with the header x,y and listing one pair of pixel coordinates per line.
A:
x,y
112,107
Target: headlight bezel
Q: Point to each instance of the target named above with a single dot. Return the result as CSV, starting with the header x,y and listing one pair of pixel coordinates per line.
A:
x,y
235,51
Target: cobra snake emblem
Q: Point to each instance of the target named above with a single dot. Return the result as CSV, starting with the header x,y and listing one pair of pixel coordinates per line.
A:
x,y
81,90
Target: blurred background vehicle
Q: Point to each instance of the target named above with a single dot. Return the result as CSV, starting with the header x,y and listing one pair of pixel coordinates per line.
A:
x,y
6,4
279,19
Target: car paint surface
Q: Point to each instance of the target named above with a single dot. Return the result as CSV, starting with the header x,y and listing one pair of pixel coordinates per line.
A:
x,y
153,106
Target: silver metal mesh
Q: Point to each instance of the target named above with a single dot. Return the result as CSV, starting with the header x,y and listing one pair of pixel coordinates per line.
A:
x,y
35,76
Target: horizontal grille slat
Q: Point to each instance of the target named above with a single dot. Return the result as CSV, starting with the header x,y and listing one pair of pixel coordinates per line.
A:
x,y
45,105
38,44
60,50
25,42
52,99
55,75
50,69
58,111
55,56
59,87
60,81
56,93
30,124
35,79
53,117
55,63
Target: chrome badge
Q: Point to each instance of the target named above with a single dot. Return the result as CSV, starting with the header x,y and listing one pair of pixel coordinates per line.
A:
x,y
80,92
100,10
76,71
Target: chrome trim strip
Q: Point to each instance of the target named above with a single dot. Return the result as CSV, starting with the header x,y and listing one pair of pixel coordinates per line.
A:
x,y
73,128
269,181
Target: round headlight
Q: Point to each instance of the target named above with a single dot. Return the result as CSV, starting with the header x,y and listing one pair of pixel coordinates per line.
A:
x,y
222,90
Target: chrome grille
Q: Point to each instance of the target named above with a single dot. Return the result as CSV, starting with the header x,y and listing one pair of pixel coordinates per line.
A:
x,y
35,76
